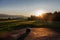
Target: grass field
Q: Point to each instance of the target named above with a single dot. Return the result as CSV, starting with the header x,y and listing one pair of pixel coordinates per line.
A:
x,y
9,28
10,25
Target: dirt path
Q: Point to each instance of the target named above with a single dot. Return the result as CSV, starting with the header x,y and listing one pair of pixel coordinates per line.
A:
x,y
36,34
42,34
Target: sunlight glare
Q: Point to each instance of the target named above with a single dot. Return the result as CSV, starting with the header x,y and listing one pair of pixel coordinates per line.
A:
x,y
40,13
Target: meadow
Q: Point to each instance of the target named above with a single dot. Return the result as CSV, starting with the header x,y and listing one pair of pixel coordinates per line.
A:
x,y
9,25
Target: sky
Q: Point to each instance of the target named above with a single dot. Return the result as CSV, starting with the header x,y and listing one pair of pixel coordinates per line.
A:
x,y
28,7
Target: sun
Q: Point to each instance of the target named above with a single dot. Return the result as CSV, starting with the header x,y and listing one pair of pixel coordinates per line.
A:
x,y
39,13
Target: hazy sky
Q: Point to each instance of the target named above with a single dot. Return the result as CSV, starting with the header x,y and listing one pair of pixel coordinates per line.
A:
x,y
28,7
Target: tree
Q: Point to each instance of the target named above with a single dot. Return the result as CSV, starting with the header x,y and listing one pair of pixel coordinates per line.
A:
x,y
56,16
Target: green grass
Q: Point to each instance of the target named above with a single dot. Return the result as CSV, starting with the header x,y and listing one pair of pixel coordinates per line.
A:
x,y
9,26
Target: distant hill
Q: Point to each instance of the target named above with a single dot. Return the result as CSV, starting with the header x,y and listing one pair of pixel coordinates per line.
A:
x,y
3,15
6,16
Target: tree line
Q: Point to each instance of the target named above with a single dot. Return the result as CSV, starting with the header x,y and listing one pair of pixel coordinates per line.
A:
x,y
55,16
